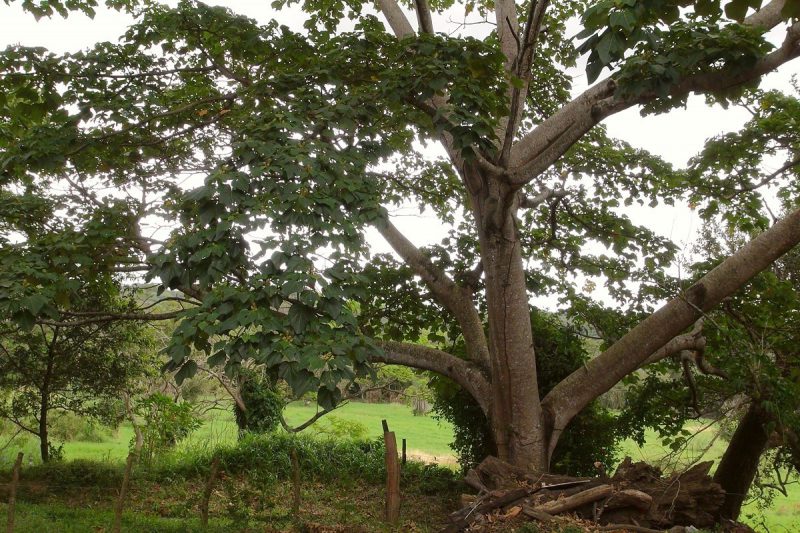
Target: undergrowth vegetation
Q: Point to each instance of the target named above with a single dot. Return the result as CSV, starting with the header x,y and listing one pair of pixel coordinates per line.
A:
x,y
268,459
341,482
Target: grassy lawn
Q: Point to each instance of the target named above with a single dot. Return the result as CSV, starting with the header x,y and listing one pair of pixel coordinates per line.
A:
x,y
426,438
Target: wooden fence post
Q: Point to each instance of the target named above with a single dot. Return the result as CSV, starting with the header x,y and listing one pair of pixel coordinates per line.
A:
x,y
212,476
123,491
403,462
295,484
392,476
12,496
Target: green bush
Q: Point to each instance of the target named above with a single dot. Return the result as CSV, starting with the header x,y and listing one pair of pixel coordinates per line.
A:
x,y
340,429
166,423
267,459
77,473
68,427
263,403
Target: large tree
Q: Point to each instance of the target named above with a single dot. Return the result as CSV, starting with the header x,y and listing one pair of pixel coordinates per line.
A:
x,y
305,139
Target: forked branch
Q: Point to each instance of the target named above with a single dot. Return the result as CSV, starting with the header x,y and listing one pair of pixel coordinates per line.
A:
x,y
538,150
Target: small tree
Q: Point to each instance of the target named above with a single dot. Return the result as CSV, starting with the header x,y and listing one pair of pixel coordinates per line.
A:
x,y
82,370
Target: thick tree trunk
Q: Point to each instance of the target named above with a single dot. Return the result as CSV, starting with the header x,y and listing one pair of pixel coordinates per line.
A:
x,y
516,414
739,464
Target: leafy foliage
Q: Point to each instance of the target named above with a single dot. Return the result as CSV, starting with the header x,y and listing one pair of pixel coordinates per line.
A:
x,y
262,401
166,423
616,29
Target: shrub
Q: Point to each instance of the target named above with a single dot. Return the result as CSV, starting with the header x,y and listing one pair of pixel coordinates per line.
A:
x,y
76,473
263,402
166,423
339,429
266,458
71,427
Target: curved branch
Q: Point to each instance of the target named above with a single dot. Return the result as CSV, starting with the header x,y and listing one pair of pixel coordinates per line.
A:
x,y
694,340
304,425
573,393
454,298
468,376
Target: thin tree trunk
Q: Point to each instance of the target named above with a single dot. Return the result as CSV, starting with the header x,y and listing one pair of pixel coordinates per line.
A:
x,y
739,464
44,442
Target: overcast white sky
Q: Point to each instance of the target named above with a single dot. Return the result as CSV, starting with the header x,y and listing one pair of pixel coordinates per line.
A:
x,y
675,136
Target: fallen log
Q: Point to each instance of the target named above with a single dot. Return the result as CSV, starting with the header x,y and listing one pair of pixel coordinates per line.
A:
x,y
570,503
629,498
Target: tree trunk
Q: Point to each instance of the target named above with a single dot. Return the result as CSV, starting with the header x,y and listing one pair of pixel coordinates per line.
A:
x,y
516,414
44,444
739,464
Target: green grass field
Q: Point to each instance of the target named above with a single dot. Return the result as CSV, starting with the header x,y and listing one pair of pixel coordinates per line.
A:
x,y
427,438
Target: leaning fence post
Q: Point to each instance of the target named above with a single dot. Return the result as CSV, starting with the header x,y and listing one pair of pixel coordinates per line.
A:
x,y
212,476
392,475
123,492
12,497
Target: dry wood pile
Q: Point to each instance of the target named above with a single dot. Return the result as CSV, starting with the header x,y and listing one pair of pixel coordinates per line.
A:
x,y
636,498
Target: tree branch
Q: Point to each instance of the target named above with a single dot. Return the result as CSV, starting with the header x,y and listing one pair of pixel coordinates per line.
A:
x,y
538,150
110,317
694,340
505,12
424,16
578,389
527,202
396,18
468,376
522,69
455,298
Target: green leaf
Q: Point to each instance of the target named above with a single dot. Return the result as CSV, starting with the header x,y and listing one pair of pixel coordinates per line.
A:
x,y
299,317
623,19
35,303
217,359
737,9
328,398
187,371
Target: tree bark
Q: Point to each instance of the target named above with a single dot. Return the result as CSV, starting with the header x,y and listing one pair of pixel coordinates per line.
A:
x,y
516,415
739,464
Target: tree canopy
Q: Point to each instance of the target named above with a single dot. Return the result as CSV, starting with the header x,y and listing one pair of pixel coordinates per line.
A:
x,y
242,164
